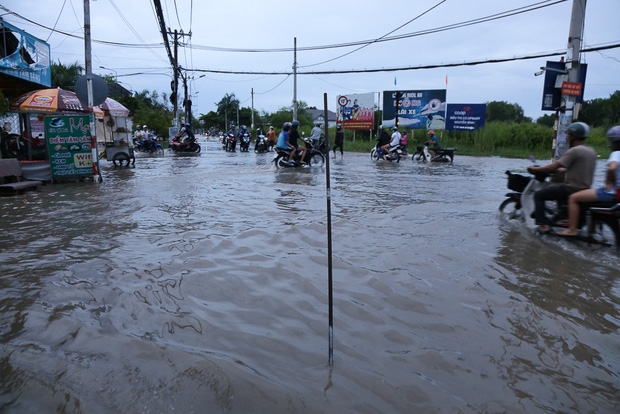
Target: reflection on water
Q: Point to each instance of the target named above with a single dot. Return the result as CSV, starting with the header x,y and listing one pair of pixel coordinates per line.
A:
x,y
199,283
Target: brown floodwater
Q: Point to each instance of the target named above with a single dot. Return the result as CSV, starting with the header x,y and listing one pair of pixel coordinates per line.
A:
x,y
199,285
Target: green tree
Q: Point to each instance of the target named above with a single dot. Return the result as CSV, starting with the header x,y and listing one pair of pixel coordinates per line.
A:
x,y
546,120
504,112
64,77
601,112
148,108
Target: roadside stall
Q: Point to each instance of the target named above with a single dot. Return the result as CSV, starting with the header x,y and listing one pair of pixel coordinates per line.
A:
x,y
27,143
113,130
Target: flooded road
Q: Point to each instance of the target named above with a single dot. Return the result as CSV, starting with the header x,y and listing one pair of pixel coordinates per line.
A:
x,y
199,285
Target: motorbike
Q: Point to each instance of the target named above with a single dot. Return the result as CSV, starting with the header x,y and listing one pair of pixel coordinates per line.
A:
x,y
191,147
599,223
261,144
314,157
377,153
244,142
148,146
441,155
223,140
231,142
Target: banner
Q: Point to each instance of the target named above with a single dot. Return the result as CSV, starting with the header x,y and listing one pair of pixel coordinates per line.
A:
x,y
356,111
24,56
465,117
421,109
68,144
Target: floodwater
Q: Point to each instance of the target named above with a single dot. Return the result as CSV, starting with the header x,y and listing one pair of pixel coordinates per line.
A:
x,y
199,285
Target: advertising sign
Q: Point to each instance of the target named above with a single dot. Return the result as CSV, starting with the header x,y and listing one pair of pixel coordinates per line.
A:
x,y
68,144
24,56
552,92
421,109
356,111
465,117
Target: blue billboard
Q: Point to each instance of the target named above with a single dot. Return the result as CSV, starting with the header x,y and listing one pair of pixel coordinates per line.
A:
x,y
465,117
24,56
417,109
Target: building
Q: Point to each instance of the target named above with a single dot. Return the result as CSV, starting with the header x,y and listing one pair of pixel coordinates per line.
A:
x,y
318,116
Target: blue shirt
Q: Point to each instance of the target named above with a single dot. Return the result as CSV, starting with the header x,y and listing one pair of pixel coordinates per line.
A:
x,y
433,141
282,140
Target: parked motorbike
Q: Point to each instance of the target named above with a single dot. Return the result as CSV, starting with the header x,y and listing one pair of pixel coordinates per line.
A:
x,y
599,223
441,155
314,157
244,142
261,144
148,146
377,153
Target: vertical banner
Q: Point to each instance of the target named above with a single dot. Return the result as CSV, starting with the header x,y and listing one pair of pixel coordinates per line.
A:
x,y
465,117
422,109
69,145
356,111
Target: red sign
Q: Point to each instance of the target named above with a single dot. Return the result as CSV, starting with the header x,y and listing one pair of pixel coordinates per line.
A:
x,y
571,88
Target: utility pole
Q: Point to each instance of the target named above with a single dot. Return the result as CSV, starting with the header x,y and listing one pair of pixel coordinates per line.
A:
x,y
295,80
252,126
573,57
175,82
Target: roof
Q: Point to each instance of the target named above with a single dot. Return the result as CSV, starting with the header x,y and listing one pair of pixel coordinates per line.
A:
x,y
316,113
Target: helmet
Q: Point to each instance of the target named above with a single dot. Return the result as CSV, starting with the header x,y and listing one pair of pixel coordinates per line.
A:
x,y
144,126
270,127
579,130
286,126
338,126
614,134
295,124
394,128
431,132
316,124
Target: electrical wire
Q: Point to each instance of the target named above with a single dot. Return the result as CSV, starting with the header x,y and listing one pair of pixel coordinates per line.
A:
x,y
57,19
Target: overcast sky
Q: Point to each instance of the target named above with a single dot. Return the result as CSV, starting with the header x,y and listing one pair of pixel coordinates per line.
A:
x,y
241,25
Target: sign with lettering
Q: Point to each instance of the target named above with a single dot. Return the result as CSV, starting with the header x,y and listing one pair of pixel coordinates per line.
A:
x,y
571,88
416,109
465,117
69,145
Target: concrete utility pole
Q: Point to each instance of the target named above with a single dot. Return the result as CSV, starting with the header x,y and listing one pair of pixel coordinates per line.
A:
x,y
295,80
573,57
252,126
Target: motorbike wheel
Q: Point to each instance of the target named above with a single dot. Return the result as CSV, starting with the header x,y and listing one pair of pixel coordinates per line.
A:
x,y
397,159
197,149
374,155
159,150
120,158
281,162
14,146
317,160
510,209
605,233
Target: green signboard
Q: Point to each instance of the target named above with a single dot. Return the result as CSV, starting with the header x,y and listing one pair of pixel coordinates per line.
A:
x,y
69,145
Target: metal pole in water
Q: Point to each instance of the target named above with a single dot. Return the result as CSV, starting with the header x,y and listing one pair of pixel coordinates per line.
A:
x,y
329,238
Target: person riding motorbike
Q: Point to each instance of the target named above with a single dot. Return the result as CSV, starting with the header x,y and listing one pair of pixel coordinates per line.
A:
x,y
578,162
293,135
608,193
184,138
393,143
433,144
283,139
235,133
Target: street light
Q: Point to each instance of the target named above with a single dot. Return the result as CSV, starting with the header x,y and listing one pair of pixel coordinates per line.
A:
x,y
115,74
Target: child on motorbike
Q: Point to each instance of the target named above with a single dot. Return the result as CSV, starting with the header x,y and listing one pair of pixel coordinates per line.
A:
x,y
608,193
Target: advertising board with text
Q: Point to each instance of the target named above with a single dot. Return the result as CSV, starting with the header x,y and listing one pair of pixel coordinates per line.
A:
x,y
465,117
69,145
419,109
356,111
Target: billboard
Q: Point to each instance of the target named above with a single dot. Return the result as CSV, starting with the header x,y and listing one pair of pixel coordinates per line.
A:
x,y
24,56
552,88
465,117
419,109
69,145
356,111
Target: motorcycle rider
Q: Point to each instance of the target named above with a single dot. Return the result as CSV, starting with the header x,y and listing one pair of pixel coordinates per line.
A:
x,y
137,135
433,144
608,193
316,134
284,140
393,143
293,135
578,162
235,133
259,132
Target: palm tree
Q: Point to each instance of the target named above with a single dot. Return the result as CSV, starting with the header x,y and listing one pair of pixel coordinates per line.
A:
x,y
65,76
227,104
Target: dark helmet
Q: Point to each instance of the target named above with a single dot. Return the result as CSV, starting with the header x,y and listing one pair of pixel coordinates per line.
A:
x,y
287,126
296,124
394,128
614,134
338,126
579,130
316,124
